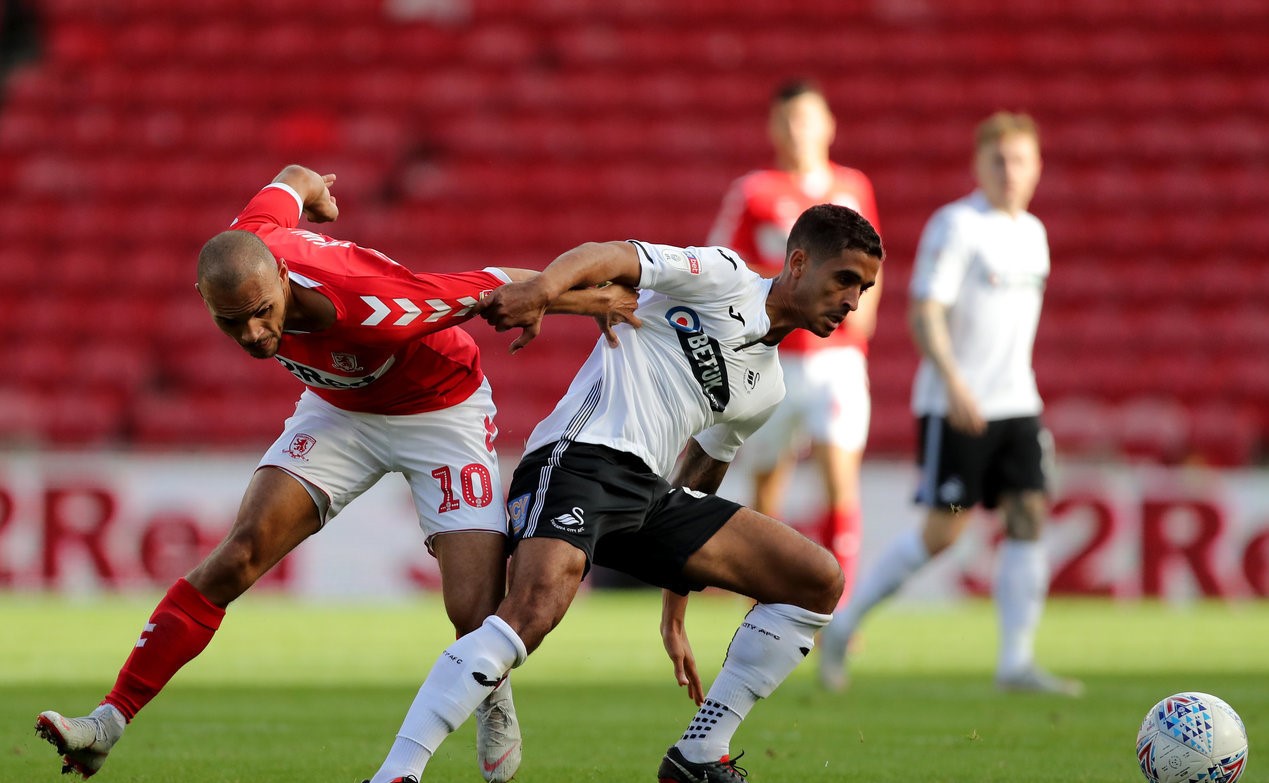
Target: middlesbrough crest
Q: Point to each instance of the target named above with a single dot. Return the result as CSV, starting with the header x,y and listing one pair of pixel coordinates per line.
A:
x,y
301,445
344,362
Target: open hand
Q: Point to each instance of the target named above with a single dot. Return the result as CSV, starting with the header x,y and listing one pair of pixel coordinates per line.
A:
x,y
516,305
618,303
680,652
962,410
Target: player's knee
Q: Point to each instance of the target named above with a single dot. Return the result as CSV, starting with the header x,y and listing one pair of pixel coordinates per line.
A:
x,y
825,583
937,543
466,619
247,559
942,528
531,624
231,568
1023,527
1024,516
467,605
835,586
532,614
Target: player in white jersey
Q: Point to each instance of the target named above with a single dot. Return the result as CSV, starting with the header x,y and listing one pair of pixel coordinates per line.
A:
x,y
702,372
975,294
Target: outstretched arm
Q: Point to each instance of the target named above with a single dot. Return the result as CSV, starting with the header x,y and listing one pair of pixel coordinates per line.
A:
x,y
314,190
701,472
609,304
522,305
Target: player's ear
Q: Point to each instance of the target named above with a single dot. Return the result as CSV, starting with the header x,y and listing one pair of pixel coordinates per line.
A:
x,y
797,262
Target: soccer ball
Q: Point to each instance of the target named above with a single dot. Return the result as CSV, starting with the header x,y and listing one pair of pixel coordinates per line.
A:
x,y
1192,737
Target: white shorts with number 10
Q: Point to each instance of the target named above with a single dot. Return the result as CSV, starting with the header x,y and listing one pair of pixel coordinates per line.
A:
x,y
447,456
826,400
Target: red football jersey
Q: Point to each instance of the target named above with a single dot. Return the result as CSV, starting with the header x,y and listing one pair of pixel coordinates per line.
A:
x,y
759,211
390,349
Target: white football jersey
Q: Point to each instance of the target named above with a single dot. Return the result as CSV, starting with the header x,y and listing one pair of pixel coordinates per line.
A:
x,y
694,368
990,270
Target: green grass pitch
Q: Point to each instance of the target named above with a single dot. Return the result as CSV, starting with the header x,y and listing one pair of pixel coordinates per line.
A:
x,y
301,691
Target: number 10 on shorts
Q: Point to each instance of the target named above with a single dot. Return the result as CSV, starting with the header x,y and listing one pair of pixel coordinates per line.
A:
x,y
473,479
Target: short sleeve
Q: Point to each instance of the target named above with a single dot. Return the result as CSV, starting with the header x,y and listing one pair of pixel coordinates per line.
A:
x,y
276,204
722,441
942,259
692,274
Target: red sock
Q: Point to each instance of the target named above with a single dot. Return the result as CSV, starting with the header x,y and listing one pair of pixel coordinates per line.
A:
x,y
839,532
179,629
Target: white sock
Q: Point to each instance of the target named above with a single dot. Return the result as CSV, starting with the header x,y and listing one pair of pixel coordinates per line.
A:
x,y
770,643
1022,582
903,557
462,677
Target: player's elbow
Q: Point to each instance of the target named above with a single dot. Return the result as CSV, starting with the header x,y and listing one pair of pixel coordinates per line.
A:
x,y
292,171
302,179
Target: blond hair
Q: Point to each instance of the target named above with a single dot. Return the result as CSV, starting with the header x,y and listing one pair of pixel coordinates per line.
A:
x,y
1002,124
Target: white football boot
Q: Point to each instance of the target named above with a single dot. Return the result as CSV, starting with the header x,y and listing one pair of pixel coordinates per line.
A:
x,y
82,742
1033,679
832,649
498,735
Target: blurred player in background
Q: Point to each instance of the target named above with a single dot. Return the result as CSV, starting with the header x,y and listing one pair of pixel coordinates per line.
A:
x,y
975,299
699,377
390,388
827,400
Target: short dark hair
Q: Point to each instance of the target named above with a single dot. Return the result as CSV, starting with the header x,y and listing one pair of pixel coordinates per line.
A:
x,y
826,230
794,88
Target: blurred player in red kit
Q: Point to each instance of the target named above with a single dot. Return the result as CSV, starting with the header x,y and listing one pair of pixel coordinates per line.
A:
x,y
827,402
390,388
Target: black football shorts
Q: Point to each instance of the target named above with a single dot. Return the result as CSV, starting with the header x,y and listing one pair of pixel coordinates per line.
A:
x,y
610,505
959,470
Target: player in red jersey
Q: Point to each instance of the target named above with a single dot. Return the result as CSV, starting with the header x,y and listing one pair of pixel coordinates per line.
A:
x,y
390,388
827,402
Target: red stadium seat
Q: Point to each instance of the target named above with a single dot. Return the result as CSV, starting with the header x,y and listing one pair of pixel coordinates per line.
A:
x,y
206,423
1243,379
23,267
120,367
1225,437
154,40
21,416
521,130
1237,332
1082,426
77,417
25,127
1152,429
